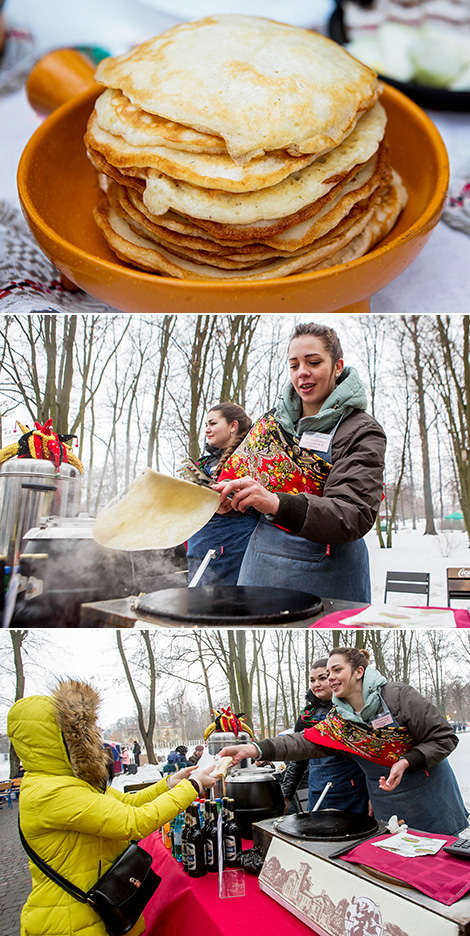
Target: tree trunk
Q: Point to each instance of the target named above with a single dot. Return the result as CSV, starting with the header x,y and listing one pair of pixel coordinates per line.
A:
x,y
412,325
17,639
146,732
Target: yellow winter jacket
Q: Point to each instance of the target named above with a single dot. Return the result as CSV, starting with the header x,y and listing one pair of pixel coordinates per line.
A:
x,y
79,826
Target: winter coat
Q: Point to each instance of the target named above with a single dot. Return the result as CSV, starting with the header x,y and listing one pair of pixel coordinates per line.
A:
x,y
349,785
428,796
68,814
352,493
434,738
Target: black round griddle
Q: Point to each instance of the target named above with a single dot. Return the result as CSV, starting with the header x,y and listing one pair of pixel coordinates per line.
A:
x,y
329,825
230,604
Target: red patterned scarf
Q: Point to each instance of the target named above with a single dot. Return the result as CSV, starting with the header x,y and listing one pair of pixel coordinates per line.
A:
x,y
382,745
274,459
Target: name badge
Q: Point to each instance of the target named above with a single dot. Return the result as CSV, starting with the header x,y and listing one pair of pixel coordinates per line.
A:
x,y
382,721
319,441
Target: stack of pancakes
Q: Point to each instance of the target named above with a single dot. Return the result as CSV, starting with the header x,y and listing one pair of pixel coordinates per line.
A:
x,y
238,148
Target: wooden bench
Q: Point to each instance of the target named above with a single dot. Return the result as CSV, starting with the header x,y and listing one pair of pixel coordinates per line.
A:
x,y
7,788
458,584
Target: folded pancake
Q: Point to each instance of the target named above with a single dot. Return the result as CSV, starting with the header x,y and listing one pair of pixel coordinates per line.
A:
x,y
301,188
214,171
175,229
115,113
223,75
157,512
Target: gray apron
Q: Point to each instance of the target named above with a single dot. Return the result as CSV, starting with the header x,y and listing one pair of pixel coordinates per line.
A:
x,y
428,800
281,559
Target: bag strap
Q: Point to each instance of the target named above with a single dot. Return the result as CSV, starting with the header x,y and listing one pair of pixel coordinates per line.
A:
x,y
50,873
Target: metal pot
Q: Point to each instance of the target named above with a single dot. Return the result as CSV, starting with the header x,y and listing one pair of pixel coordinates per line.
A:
x,y
220,739
61,567
30,489
257,794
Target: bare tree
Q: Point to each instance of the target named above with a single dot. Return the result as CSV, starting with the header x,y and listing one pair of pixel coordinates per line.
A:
x,y
18,638
450,364
414,327
146,730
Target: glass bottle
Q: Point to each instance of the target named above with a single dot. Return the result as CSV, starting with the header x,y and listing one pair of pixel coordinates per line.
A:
x,y
232,837
210,837
177,830
184,834
195,848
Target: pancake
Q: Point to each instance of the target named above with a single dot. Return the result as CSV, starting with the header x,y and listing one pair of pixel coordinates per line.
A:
x,y
324,246
258,84
139,250
157,512
300,188
115,113
102,166
217,171
326,214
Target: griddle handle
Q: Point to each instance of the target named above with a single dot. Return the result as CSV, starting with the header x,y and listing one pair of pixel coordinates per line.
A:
x,y
56,78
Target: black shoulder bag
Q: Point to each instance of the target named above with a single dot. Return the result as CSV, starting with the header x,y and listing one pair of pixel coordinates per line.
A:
x,y
120,895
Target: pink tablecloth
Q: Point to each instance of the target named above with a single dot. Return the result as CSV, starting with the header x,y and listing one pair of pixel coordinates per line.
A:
x,y
440,876
183,904
461,615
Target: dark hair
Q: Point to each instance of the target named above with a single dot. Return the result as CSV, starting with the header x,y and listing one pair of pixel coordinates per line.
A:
x,y
232,412
352,656
327,336
319,663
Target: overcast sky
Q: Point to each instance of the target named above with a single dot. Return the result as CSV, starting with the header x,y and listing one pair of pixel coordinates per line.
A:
x,y
78,653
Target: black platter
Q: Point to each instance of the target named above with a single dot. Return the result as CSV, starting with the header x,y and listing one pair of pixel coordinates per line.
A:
x,y
229,604
424,95
327,825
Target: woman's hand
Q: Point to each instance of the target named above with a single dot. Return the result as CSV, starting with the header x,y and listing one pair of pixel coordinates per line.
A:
x,y
395,775
183,774
246,493
238,752
205,780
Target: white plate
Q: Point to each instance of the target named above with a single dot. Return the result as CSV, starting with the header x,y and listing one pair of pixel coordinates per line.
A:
x,y
298,13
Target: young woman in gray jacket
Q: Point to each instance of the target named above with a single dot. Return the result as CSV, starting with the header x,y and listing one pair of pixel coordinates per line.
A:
x,y
313,467
400,741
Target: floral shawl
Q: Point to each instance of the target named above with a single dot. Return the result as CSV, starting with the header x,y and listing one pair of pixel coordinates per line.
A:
x,y
273,457
382,745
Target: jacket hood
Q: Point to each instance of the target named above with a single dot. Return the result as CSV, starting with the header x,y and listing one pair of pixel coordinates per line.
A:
x,y
349,394
59,734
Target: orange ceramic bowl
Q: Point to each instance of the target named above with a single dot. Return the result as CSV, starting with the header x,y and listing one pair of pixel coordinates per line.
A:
x,y
56,185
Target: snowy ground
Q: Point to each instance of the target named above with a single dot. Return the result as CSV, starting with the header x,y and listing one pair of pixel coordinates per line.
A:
x,y
412,551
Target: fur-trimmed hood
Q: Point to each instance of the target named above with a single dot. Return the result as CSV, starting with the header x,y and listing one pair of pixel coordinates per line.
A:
x,y
59,734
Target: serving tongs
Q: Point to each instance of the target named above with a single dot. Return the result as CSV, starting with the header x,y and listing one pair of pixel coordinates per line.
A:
x,y
189,470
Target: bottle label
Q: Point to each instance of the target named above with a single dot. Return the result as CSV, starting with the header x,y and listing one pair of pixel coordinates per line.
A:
x,y
209,852
191,857
230,847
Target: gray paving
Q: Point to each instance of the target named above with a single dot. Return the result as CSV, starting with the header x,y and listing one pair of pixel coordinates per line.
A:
x,y
15,879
